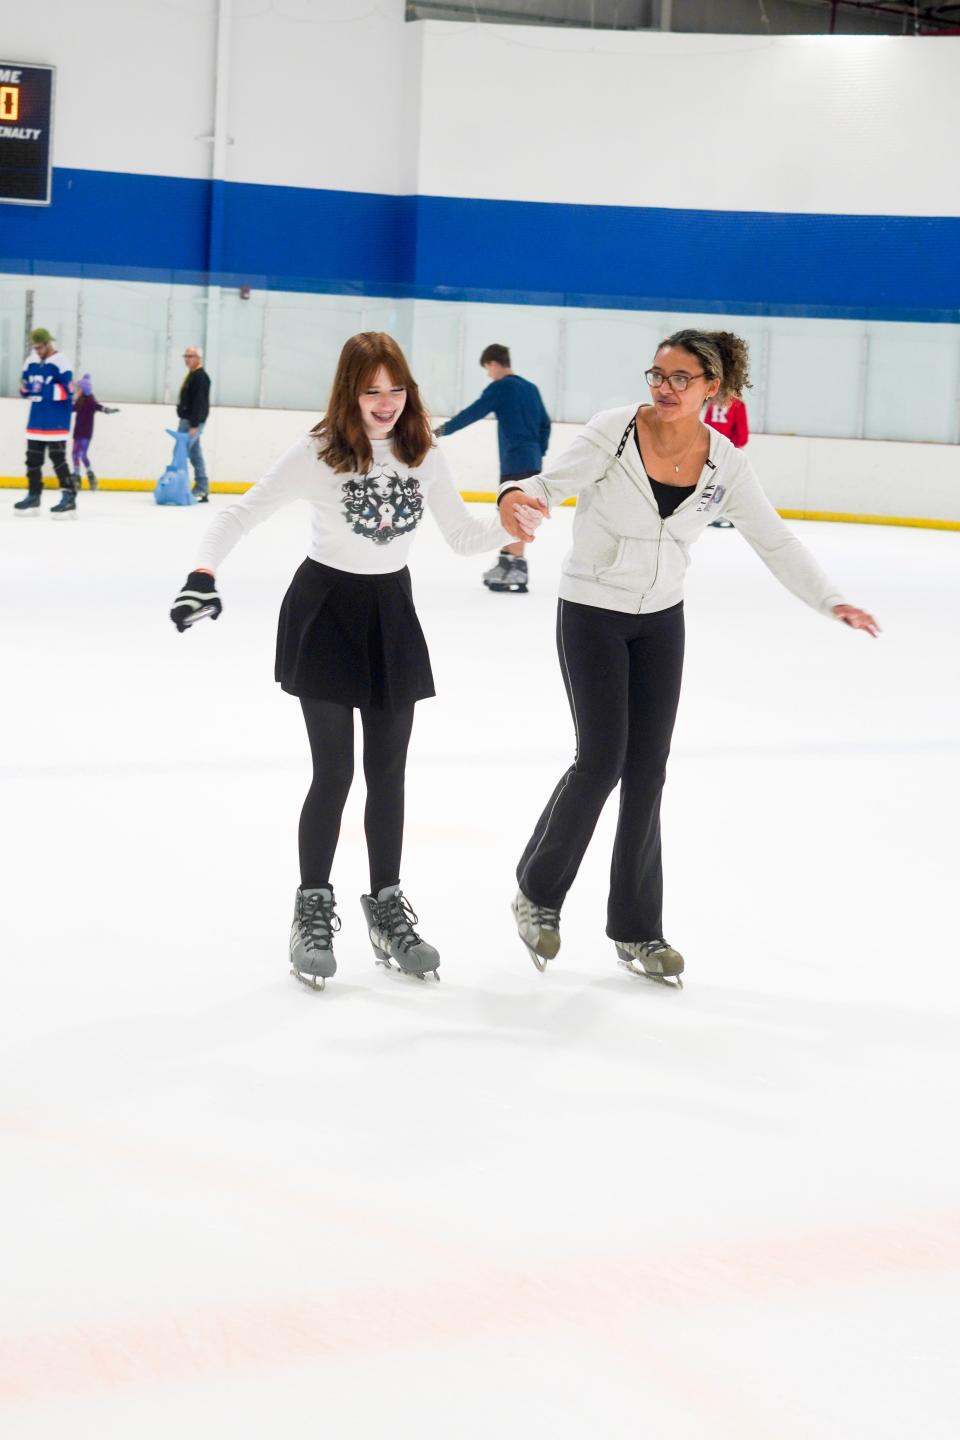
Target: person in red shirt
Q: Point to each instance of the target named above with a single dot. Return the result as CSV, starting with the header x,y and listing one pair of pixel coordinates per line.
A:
x,y
730,418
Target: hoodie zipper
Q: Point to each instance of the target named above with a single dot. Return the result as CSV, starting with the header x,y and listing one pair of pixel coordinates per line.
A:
x,y
656,570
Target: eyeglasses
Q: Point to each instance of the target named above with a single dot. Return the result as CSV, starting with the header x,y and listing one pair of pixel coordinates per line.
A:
x,y
678,381
190,355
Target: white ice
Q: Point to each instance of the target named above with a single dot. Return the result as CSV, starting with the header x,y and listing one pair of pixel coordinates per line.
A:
x,y
508,1204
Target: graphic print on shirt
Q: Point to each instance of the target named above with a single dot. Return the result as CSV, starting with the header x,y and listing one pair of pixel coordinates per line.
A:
x,y
382,505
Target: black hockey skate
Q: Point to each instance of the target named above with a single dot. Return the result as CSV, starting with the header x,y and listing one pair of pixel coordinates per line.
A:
x,y
396,944
92,480
315,922
67,503
652,960
29,505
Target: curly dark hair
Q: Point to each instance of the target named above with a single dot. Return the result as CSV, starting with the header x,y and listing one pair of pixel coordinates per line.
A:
x,y
722,355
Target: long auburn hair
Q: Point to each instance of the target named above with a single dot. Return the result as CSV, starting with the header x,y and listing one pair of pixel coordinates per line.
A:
x,y
343,444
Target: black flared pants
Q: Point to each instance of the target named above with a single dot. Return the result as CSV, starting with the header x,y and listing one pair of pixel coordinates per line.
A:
x,y
622,675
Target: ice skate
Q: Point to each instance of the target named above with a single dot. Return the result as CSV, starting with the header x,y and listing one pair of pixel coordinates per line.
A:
x,y
77,481
539,928
29,505
315,922
396,944
513,575
652,960
66,505
91,480
498,571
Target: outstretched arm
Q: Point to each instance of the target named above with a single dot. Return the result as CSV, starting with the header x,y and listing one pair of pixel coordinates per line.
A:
x,y
784,555
463,532
288,479
480,407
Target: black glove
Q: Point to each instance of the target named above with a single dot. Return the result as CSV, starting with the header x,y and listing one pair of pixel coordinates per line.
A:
x,y
439,430
196,601
110,410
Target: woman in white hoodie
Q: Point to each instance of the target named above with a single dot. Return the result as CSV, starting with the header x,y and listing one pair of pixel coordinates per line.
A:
x,y
648,481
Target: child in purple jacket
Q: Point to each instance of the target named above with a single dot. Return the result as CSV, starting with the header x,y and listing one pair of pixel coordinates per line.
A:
x,y
85,408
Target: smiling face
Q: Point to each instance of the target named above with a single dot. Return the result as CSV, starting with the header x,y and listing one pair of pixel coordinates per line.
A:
x,y
672,404
381,404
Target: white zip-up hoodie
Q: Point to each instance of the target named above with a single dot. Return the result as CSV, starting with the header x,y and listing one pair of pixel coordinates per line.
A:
x,y
625,556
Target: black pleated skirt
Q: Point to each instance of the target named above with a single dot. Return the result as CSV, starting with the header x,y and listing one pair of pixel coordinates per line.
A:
x,y
352,639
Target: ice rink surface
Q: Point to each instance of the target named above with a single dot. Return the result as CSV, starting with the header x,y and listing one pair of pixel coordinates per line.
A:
x,y
508,1204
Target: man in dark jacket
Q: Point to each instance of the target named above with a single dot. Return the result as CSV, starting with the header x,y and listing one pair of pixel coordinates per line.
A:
x,y
193,407
523,434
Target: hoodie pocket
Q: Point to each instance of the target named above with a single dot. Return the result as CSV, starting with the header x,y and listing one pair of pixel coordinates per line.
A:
x,y
634,564
594,551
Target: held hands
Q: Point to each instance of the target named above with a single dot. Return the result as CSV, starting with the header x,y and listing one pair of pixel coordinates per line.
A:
x,y
196,600
857,619
520,514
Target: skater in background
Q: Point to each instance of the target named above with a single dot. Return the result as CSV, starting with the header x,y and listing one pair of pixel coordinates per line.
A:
x,y
193,408
648,478
523,434
47,381
730,418
85,408
349,638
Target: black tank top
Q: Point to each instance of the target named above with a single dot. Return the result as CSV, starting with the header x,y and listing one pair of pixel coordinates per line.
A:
x,y
668,497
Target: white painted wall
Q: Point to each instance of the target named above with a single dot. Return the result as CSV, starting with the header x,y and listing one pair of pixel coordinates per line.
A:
x,y
860,477
344,94
317,88
134,84
820,124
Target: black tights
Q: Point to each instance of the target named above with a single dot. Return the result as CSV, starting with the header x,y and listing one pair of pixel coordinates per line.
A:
x,y
386,735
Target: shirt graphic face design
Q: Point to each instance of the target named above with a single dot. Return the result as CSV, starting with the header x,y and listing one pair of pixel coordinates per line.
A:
x,y
382,505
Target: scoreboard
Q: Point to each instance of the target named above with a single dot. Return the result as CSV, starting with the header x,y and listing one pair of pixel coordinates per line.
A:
x,y
26,123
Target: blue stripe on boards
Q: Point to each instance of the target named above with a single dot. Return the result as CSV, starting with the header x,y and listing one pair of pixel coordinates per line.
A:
x,y
112,225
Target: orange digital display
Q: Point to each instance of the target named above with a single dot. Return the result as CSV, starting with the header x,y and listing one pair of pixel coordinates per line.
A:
x,y
9,102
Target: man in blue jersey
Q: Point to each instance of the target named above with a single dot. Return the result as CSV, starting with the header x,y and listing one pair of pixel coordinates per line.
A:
x,y
523,434
47,381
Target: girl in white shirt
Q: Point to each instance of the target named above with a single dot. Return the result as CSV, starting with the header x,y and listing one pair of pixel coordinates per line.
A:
x,y
349,638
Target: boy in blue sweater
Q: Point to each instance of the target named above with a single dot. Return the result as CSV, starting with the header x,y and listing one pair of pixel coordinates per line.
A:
x,y
47,381
523,434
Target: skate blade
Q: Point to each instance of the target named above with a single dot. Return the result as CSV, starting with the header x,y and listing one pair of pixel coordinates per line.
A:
x,y
312,982
670,982
392,968
508,589
538,960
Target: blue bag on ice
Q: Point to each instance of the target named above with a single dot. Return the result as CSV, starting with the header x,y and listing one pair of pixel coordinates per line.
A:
x,y
173,487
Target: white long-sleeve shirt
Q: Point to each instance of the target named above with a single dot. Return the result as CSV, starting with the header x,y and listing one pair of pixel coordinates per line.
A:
x,y
362,523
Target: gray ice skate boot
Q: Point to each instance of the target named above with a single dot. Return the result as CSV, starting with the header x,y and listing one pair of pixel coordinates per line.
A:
x,y
514,577
497,571
29,505
539,928
653,959
390,925
315,922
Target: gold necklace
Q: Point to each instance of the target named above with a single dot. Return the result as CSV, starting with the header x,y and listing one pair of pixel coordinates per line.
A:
x,y
669,459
